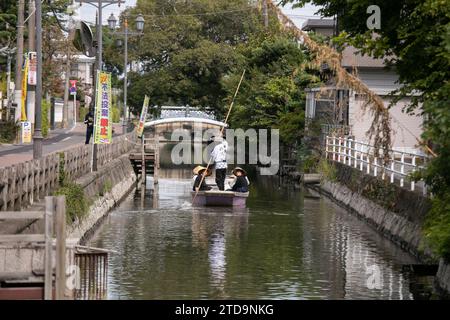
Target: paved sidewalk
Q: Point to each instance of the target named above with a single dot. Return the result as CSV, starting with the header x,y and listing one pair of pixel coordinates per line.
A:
x,y
57,140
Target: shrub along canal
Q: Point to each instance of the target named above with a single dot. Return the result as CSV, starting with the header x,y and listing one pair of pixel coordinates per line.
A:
x,y
283,245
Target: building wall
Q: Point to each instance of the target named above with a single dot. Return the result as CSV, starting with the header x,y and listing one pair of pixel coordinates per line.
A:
x,y
379,80
405,127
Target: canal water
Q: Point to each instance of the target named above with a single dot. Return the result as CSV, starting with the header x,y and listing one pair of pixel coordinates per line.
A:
x,y
284,245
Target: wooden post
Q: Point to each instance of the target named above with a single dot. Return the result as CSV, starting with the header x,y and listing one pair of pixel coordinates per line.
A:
x,y
156,163
143,173
48,261
60,226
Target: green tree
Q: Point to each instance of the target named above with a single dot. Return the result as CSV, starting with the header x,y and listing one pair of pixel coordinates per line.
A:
x,y
8,20
186,49
273,94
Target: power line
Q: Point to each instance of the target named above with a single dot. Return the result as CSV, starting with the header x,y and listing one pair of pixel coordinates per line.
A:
x,y
196,14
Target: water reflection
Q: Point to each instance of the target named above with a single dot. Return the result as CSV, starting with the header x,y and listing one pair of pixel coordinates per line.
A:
x,y
282,246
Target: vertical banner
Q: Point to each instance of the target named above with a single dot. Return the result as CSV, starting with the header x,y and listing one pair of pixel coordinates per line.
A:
x,y
32,68
23,113
103,109
140,129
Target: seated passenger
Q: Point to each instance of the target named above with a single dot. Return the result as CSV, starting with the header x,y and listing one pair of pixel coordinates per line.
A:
x,y
240,183
199,172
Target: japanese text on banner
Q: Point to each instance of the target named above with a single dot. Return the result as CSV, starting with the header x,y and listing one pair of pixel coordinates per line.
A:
x,y
140,129
103,110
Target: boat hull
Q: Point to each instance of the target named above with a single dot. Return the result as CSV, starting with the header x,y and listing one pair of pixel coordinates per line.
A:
x,y
219,198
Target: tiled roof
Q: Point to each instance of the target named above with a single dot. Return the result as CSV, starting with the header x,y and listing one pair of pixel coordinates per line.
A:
x,y
317,23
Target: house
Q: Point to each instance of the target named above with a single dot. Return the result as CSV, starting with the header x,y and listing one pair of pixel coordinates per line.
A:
x,y
341,108
82,68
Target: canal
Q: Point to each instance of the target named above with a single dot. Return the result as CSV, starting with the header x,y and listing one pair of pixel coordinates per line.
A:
x,y
283,245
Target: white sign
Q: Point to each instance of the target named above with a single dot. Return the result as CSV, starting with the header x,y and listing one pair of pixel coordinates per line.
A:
x,y
26,132
32,68
58,111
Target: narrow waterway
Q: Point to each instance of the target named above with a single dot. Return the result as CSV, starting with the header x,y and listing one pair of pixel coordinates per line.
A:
x,y
283,245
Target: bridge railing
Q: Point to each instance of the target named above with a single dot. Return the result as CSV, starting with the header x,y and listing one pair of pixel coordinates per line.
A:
x,y
361,155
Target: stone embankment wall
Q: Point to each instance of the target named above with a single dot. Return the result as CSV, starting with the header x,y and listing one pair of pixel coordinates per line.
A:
x,y
393,211
23,187
108,186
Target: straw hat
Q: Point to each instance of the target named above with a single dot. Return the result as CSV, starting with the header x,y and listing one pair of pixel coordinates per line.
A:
x,y
239,169
199,169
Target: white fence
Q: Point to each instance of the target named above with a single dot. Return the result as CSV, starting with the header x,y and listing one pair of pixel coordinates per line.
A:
x,y
360,155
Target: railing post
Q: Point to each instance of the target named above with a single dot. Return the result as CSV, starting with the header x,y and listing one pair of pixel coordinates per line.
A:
x,y
156,163
402,170
344,150
356,154
349,152
334,148
339,149
375,166
392,167
60,226
361,157
413,184
326,147
48,261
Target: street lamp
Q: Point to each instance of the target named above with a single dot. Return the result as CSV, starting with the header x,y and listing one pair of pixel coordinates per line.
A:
x,y
112,22
140,23
140,28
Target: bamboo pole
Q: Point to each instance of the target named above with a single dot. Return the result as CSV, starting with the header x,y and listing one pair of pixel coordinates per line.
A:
x,y
221,133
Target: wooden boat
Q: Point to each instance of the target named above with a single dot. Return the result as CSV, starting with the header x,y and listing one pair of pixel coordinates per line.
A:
x,y
219,198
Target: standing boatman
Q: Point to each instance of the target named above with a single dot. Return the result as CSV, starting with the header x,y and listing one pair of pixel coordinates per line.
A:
x,y
219,156
89,122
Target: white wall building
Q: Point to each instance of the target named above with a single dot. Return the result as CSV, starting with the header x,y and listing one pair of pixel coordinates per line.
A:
x,y
343,107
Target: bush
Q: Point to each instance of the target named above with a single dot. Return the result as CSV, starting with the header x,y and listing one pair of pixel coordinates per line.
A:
x,y
8,131
82,113
45,122
76,203
115,115
327,170
437,226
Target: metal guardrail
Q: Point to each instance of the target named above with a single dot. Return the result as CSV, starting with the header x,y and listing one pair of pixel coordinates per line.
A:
x,y
361,155
93,272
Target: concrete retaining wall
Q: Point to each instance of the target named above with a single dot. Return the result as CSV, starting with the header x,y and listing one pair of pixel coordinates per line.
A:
x,y
109,185
443,276
398,228
398,215
117,174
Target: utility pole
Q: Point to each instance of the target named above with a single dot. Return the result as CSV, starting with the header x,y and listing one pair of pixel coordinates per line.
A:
x,y
265,15
125,80
31,95
37,136
19,59
66,88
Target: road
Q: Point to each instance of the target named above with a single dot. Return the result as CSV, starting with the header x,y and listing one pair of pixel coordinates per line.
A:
x,y
58,139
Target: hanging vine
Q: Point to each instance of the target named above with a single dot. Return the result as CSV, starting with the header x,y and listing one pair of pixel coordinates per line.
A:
x,y
380,129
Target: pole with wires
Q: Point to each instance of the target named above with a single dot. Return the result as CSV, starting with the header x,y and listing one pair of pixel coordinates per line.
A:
x,y
221,133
